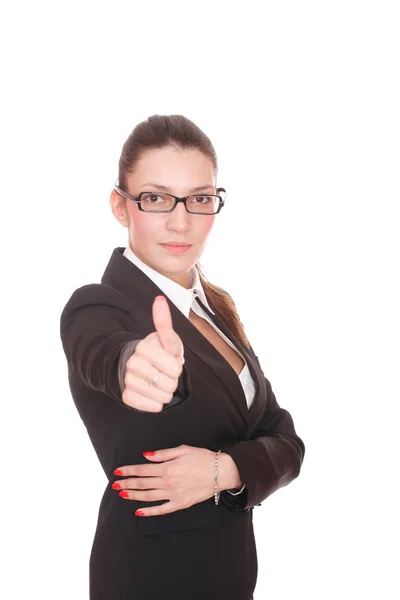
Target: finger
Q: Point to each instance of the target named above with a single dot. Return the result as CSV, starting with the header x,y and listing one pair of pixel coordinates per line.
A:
x,y
143,388
162,315
142,368
139,483
141,402
161,509
163,323
145,471
145,495
150,361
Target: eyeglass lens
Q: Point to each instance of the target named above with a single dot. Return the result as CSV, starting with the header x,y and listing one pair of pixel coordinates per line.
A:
x,y
164,202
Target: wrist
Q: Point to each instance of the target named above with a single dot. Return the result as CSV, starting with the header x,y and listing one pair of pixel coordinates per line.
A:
x,y
228,474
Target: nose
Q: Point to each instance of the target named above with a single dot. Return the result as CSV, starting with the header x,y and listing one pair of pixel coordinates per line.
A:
x,y
179,219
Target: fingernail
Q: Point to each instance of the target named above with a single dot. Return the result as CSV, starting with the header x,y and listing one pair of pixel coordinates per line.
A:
x,y
148,453
163,297
116,486
117,472
123,494
139,513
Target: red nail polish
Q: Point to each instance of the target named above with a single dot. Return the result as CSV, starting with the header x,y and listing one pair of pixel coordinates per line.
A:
x,y
117,472
148,453
139,513
116,486
123,494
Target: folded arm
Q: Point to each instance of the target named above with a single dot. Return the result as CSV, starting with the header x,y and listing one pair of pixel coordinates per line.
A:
x,y
270,460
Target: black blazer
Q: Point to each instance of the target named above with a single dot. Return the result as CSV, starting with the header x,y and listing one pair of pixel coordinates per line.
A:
x,y
205,551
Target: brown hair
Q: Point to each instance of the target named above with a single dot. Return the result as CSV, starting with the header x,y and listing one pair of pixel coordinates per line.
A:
x,y
159,131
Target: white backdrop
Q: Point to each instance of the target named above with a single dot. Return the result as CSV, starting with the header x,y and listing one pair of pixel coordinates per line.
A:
x,y
301,101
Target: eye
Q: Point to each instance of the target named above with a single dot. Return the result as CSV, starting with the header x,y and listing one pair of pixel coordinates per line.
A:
x,y
152,198
202,199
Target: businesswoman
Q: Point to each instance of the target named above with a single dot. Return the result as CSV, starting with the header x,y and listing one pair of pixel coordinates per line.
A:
x,y
182,418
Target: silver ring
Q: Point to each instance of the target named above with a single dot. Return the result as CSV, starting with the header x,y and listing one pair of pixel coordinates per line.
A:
x,y
154,380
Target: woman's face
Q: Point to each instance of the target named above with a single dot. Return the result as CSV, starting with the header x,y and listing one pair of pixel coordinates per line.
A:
x,y
180,172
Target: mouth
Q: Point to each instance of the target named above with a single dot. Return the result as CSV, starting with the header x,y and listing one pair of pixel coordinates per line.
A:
x,y
176,247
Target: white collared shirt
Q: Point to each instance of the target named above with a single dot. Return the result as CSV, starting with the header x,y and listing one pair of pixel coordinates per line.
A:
x,y
184,299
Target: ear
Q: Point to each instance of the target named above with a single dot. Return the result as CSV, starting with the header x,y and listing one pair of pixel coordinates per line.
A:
x,y
118,208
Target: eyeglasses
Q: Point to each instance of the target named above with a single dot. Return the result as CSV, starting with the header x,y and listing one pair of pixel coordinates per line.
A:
x,y
199,204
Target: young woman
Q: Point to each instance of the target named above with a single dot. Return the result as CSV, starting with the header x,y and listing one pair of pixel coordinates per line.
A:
x,y
184,422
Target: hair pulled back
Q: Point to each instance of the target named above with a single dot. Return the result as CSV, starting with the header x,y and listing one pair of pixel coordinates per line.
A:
x,y
159,131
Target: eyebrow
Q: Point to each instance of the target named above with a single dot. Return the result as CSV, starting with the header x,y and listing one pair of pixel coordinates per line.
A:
x,y
166,188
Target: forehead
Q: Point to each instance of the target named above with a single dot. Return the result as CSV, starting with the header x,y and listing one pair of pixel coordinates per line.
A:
x,y
174,168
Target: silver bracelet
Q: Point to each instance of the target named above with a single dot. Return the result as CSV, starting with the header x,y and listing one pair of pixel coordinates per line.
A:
x,y
216,493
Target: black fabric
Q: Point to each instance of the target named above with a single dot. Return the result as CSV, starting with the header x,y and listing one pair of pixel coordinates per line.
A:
x,y
204,551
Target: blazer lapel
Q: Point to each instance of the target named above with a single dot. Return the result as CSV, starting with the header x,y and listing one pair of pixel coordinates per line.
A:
x,y
254,412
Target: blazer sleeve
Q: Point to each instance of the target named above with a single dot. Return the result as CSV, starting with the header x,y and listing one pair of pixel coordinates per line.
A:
x,y
95,328
93,331
271,459
126,352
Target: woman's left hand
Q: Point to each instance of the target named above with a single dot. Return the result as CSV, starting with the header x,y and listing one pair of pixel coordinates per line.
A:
x,y
183,475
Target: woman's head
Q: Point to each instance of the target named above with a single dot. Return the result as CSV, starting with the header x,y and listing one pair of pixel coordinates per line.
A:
x,y
172,152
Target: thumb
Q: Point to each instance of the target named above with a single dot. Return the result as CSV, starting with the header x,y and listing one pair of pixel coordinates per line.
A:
x,y
162,319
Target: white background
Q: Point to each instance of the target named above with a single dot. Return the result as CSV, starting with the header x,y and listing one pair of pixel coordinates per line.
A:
x,y
301,101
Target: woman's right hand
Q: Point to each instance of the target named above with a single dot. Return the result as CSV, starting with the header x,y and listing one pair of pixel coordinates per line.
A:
x,y
160,353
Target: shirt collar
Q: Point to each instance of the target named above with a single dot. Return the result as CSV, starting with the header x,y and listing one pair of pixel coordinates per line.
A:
x,y
179,295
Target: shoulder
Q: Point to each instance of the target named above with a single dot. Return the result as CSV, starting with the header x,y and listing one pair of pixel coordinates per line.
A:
x,y
95,295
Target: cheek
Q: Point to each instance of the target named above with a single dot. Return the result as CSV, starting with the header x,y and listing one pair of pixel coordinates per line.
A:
x,y
205,225
142,225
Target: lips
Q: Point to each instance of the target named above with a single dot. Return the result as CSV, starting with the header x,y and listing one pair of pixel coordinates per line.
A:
x,y
175,244
176,247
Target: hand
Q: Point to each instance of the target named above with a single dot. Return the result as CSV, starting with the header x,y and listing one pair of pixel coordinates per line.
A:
x,y
160,353
185,478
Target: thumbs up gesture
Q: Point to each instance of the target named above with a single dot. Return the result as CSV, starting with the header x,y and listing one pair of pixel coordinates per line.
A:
x,y
160,353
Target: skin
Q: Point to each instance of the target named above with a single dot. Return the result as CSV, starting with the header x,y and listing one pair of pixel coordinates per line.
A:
x,y
181,171
184,475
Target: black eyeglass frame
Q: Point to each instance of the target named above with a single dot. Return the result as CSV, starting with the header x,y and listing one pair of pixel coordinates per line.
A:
x,y
138,198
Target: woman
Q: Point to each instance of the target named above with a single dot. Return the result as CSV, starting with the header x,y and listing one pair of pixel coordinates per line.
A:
x,y
174,376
